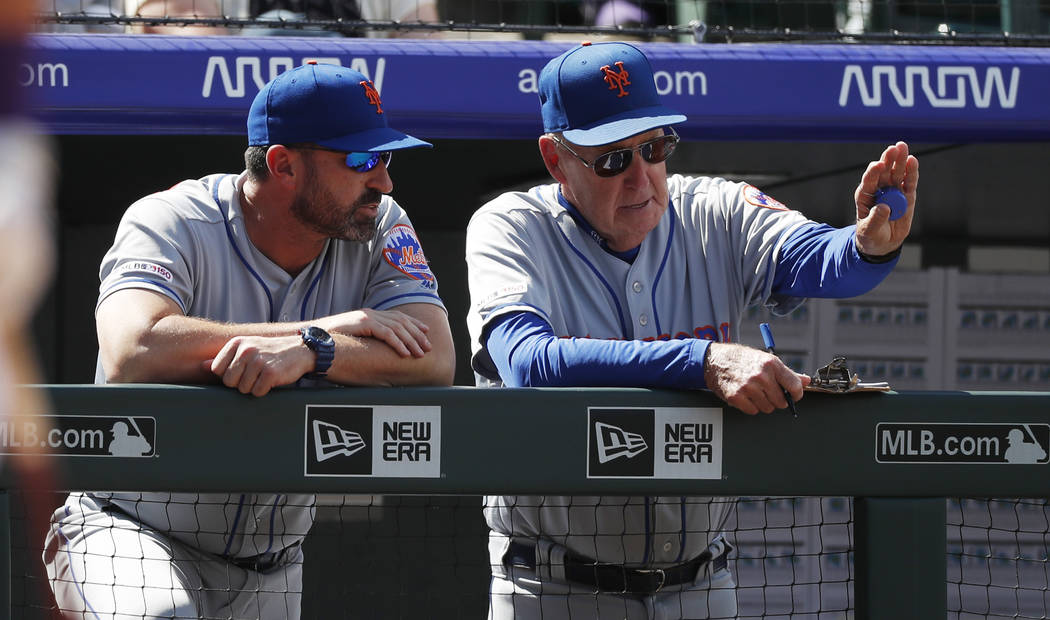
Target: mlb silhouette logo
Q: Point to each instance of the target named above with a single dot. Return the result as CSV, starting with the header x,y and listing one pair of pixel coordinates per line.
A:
x,y
620,443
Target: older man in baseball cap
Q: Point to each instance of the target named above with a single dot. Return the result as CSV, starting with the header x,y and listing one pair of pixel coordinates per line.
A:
x,y
618,275
286,274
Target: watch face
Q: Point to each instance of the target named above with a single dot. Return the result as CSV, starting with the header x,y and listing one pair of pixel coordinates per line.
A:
x,y
318,334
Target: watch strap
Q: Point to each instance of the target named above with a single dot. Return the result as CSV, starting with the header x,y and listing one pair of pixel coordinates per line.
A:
x,y
323,346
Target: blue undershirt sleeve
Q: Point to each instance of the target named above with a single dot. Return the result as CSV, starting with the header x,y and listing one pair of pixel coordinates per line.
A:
x,y
528,354
818,260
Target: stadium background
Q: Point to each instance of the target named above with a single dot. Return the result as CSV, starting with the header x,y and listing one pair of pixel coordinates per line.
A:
x,y
970,304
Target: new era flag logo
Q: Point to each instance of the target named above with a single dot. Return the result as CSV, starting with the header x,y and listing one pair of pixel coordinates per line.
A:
x,y
615,442
330,440
658,442
340,440
389,441
620,442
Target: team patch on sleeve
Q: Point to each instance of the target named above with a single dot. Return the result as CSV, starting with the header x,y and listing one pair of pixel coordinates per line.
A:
x,y
139,266
404,253
756,197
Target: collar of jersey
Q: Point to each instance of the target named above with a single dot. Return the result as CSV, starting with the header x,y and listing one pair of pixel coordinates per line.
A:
x,y
626,256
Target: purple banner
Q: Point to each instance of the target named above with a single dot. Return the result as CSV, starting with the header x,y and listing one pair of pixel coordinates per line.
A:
x,y
128,84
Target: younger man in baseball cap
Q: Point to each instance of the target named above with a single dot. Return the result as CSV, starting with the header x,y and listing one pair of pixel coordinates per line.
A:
x,y
620,275
285,274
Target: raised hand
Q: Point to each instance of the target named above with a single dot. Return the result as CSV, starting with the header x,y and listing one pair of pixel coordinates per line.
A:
x,y
876,234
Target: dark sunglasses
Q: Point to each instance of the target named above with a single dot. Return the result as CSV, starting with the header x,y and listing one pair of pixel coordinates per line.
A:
x,y
358,162
614,162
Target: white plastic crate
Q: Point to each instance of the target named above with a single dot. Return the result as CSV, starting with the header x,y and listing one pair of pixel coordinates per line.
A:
x,y
998,331
893,333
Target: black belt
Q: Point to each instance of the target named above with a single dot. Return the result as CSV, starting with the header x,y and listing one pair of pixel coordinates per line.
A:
x,y
264,561
259,563
617,578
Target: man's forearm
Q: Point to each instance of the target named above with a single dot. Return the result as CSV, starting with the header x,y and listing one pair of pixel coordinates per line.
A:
x,y
820,261
367,361
528,354
144,337
178,348
175,349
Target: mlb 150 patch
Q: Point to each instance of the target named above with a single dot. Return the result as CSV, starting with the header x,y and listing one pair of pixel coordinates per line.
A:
x,y
145,267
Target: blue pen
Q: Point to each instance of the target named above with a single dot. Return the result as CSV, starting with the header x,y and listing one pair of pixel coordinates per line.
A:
x,y
767,337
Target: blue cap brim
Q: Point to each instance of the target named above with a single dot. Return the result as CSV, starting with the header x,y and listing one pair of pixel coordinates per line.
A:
x,y
378,139
612,130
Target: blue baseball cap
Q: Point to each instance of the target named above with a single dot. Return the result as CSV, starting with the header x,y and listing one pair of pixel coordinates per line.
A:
x,y
600,93
327,105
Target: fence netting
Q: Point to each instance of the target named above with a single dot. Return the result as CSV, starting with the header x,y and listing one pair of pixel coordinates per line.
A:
x,y
997,22
373,556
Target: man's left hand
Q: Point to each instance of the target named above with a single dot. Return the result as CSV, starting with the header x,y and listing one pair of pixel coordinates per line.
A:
x,y
876,234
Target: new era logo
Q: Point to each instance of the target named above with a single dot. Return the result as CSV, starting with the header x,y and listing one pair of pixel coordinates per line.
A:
x,y
330,440
615,442
659,442
620,443
390,441
339,440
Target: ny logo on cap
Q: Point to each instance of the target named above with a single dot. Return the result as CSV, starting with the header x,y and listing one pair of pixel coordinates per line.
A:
x,y
617,80
372,94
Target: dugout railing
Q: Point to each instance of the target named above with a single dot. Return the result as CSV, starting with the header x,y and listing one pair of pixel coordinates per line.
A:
x,y
898,454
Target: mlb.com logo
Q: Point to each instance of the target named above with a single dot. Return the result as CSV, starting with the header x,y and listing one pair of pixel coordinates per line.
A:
x,y
380,441
661,442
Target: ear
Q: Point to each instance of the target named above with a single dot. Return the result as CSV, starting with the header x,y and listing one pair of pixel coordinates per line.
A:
x,y
551,158
281,161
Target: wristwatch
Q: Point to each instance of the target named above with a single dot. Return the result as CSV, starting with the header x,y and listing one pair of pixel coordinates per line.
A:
x,y
321,343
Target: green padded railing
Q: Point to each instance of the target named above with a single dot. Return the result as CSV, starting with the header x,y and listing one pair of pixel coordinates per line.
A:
x,y
532,441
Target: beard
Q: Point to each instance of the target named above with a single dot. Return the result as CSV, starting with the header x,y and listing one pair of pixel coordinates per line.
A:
x,y
320,211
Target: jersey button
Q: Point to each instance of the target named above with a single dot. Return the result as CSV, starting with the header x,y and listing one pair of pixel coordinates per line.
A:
x,y
643,320
637,286
667,547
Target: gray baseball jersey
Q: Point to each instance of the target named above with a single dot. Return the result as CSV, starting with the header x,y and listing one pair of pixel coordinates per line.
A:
x,y
190,244
711,255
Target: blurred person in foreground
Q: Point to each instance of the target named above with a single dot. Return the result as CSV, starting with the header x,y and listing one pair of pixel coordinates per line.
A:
x,y
27,254
299,271
620,275
26,239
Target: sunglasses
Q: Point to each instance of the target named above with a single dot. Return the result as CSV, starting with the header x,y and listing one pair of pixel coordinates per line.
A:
x,y
614,162
358,162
